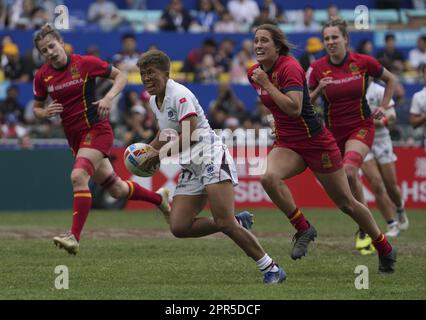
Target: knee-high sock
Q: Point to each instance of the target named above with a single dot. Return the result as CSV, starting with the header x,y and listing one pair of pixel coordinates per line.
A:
x,y
137,192
82,204
297,219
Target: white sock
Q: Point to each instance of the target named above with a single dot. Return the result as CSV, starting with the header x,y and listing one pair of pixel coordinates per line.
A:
x,y
266,264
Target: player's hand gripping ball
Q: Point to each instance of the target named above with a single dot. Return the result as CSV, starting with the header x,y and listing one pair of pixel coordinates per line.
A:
x,y
135,156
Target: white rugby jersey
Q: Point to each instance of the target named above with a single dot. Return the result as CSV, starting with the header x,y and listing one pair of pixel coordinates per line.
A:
x,y
418,103
180,103
374,96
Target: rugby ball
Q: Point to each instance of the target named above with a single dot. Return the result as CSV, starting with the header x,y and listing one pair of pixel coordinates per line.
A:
x,y
134,157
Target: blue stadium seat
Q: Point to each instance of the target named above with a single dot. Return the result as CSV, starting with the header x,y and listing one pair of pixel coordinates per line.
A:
x,y
383,16
406,14
139,19
321,16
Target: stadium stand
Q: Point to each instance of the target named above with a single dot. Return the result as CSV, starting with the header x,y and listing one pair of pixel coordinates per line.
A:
x,y
405,22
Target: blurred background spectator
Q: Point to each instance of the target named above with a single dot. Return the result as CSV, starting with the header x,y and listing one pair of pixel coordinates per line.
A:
x,y
126,60
244,12
307,23
175,17
275,11
105,14
207,15
213,47
417,56
365,47
314,49
391,55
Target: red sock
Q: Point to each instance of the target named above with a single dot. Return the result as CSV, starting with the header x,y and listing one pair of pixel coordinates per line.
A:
x,y
297,219
382,245
82,204
138,192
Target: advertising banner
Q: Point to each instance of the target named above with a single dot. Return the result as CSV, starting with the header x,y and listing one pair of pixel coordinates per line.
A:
x,y
308,193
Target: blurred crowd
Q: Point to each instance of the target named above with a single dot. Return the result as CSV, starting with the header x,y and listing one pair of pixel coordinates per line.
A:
x,y
222,63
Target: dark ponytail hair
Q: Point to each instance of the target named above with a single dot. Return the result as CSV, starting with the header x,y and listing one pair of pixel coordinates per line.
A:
x,y
279,38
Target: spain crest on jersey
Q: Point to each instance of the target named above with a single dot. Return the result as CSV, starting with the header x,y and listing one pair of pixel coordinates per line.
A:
x,y
274,79
354,68
75,74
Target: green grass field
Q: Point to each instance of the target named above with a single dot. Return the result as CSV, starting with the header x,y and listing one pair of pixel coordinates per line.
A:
x,y
132,255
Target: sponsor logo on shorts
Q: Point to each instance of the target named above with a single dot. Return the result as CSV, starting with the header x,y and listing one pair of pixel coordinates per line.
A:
x,y
210,169
88,139
326,161
361,134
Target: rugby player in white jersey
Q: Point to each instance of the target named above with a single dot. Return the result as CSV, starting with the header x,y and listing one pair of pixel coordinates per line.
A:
x,y
208,170
379,166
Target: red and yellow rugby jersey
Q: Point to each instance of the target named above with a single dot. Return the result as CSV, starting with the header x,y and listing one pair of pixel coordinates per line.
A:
x,y
287,75
74,87
344,98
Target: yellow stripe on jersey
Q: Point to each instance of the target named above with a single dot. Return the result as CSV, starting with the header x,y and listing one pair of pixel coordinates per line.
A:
x,y
85,102
306,126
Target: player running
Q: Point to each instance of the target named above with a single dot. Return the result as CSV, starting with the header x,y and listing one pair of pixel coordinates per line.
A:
x,y
70,82
208,169
341,78
301,142
379,166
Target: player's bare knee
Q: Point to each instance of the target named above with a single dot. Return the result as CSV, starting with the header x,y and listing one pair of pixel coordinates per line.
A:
x,y
269,180
179,231
79,178
346,205
226,226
